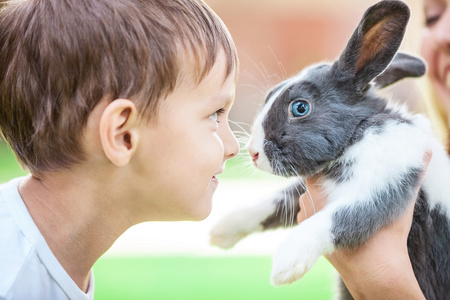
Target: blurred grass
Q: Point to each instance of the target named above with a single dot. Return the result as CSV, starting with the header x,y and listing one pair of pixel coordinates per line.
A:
x,y
198,278
9,167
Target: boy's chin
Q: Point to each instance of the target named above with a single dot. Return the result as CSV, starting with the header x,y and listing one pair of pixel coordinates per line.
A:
x,y
202,212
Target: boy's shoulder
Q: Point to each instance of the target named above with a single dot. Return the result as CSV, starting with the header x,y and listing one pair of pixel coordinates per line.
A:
x,y
15,249
28,266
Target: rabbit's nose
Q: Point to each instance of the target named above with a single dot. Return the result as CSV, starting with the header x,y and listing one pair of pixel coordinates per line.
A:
x,y
253,155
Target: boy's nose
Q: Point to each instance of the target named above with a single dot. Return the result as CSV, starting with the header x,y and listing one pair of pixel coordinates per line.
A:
x,y
231,144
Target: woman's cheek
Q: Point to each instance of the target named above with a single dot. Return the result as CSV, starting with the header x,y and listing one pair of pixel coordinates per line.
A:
x,y
429,53
426,46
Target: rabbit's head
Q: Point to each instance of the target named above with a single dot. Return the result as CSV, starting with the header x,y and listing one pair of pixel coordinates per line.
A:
x,y
310,119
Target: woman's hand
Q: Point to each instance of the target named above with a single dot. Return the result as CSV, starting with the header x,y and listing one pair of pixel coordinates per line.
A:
x,y
380,268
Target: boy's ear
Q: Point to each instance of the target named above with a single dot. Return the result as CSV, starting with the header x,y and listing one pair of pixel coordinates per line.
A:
x,y
119,131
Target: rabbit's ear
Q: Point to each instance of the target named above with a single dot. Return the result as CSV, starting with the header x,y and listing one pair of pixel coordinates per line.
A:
x,y
373,43
403,65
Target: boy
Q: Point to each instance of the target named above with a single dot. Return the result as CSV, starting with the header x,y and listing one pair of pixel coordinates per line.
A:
x,y
118,108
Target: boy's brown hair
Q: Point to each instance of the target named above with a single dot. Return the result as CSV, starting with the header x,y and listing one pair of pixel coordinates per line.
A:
x,y
59,58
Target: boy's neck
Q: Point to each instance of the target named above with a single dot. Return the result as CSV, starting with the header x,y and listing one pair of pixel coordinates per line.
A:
x,y
72,215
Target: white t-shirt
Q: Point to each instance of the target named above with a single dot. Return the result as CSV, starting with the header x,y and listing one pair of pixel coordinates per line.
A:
x,y
28,268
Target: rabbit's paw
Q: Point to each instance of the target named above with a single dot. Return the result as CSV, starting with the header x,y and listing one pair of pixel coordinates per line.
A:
x,y
290,263
232,228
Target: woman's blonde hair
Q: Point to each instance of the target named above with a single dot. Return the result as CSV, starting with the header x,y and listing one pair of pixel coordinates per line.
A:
x,y
429,100
435,111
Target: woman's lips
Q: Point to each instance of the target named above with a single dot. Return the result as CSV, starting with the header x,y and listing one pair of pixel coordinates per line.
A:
x,y
447,79
444,75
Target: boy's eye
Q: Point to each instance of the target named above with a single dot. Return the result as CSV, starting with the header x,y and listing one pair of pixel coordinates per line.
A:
x,y
215,115
300,109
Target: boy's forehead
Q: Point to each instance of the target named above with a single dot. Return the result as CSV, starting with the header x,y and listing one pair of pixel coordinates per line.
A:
x,y
217,75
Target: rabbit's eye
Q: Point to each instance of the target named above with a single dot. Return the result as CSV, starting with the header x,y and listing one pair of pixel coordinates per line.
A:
x,y
300,109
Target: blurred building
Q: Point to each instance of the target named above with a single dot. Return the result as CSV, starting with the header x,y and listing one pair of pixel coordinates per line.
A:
x,y
277,38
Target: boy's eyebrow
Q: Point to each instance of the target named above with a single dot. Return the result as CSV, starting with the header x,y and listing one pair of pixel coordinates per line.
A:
x,y
223,99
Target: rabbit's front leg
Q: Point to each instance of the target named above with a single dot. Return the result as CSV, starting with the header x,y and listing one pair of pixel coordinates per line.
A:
x,y
276,210
301,249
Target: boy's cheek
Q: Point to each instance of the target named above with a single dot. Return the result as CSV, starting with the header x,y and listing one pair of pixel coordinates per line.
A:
x,y
196,202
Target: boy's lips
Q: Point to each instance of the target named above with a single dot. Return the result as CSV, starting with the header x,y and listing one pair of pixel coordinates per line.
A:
x,y
214,178
219,172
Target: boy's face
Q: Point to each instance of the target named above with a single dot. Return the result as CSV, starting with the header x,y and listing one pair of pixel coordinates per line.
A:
x,y
185,149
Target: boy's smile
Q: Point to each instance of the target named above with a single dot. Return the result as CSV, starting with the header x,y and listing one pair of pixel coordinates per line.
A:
x,y
188,145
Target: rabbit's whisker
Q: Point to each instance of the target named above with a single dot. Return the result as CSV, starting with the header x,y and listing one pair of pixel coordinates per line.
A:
x,y
279,63
308,194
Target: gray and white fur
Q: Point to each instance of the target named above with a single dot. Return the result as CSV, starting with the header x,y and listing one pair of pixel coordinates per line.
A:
x,y
329,122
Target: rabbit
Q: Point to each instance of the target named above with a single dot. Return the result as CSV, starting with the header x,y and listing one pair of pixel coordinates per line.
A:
x,y
328,121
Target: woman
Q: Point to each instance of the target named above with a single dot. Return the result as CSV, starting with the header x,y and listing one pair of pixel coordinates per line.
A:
x,y
435,49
